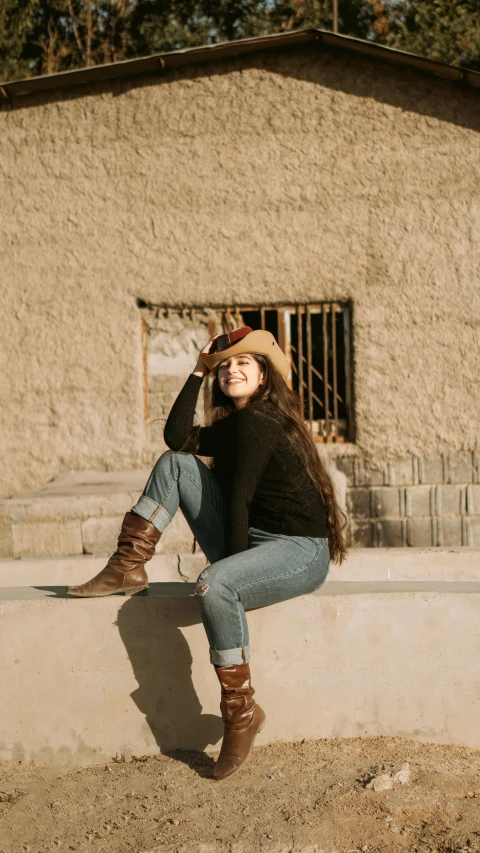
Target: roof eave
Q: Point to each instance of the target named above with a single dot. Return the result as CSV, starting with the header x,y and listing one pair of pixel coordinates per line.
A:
x,y
161,63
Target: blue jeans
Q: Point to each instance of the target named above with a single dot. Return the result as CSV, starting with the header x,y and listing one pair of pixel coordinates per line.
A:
x,y
275,567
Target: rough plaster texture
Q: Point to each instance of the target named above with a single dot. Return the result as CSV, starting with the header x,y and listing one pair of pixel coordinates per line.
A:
x,y
367,661
289,176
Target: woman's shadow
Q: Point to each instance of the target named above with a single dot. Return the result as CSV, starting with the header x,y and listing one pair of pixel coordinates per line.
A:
x,y
162,662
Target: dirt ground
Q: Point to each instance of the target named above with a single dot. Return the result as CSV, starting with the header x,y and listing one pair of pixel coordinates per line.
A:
x,y
310,797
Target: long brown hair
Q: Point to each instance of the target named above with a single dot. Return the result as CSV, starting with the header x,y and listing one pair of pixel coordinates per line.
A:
x,y
286,409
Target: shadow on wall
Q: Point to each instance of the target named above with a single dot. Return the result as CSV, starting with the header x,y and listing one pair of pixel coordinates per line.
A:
x,y
408,89
162,664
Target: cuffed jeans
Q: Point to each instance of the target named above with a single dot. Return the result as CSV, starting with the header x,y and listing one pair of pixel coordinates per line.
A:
x,y
275,567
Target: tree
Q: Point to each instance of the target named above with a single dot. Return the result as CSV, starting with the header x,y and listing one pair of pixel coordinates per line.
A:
x,y
38,37
354,16
439,29
16,23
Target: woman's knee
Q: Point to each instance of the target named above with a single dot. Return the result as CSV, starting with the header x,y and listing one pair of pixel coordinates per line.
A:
x,y
168,457
169,461
211,583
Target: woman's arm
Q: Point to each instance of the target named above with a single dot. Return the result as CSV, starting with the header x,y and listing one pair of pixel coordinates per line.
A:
x,y
253,441
180,420
179,423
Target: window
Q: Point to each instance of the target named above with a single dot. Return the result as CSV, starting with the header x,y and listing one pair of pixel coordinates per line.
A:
x,y
315,337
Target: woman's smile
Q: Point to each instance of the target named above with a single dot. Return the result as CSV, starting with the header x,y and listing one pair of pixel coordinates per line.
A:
x,y
239,370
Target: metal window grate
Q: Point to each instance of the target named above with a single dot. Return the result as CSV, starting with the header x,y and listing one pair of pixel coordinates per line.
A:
x,y
317,340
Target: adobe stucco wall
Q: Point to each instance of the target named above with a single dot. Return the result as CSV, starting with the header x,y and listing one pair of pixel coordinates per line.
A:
x,y
285,175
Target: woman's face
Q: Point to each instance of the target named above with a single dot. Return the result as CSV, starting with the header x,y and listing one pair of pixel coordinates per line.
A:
x,y
239,376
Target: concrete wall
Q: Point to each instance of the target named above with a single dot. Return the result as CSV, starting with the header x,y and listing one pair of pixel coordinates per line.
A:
x,y
112,676
292,175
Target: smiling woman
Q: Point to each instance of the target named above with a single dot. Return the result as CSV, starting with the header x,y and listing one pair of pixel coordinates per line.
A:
x,y
239,377
264,514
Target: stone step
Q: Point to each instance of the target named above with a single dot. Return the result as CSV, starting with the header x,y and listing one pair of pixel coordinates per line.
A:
x,y
390,565
79,513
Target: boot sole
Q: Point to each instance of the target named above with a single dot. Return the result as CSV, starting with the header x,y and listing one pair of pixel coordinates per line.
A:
x,y
261,726
142,590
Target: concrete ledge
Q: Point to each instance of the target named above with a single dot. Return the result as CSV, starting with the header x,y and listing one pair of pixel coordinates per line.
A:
x,y
62,571
362,564
176,590
83,680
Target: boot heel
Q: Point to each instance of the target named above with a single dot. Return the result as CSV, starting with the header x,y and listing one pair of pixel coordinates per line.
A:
x,y
142,591
262,724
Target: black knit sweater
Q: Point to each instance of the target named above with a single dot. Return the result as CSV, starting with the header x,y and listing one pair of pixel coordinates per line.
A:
x,y
259,472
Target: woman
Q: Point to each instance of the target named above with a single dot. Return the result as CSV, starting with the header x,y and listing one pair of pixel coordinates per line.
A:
x,y
265,514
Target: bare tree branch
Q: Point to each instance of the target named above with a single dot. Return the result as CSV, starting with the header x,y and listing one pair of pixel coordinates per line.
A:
x,y
75,28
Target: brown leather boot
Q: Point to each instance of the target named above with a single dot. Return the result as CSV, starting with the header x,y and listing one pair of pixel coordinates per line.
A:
x,y
243,719
125,570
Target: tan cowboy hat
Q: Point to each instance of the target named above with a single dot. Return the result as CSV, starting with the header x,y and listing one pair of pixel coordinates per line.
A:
x,y
246,340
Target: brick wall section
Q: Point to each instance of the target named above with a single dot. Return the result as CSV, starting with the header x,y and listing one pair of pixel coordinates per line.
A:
x,y
413,502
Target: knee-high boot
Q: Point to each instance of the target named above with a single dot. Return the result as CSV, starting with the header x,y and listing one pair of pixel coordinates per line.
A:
x,y
125,570
242,717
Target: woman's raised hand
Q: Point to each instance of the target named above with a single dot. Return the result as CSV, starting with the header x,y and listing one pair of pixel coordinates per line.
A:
x,y
201,368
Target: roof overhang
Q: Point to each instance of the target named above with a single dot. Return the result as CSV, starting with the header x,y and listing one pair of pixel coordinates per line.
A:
x,y
161,63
